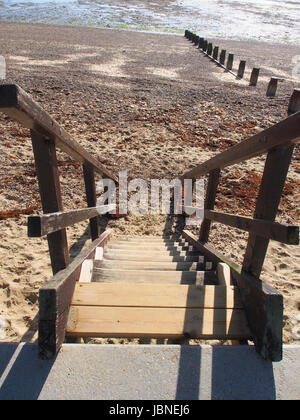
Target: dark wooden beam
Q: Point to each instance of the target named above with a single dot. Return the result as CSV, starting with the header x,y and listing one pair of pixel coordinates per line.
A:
x,y
55,299
263,305
50,192
282,134
272,184
20,106
48,223
90,189
210,199
286,234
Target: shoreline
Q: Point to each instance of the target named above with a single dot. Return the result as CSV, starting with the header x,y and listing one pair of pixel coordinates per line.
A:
x,y
176,32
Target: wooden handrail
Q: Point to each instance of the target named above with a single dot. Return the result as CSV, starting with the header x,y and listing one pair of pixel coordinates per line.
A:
x,y
283,134
52,222
20,106
286,234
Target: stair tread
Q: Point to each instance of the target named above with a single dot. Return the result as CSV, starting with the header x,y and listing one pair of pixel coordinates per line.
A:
x,y
154,265
152,276
114,310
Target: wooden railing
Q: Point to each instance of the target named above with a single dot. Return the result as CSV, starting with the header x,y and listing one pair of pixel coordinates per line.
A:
x,y
47,136
263,305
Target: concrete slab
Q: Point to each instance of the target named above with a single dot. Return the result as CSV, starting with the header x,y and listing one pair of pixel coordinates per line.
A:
x,y
147,372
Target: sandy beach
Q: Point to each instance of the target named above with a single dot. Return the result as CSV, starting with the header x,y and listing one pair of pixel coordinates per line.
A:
x,y
150,104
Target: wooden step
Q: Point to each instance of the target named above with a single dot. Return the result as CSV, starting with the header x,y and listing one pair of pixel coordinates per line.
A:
x,y
110,255
149,239
158,311
155,277
148,244
142,251
152,247
153,265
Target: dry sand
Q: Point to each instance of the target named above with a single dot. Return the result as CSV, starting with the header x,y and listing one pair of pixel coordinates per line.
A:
x,y
150,104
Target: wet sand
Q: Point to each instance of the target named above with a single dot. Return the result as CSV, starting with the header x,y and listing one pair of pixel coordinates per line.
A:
x,y
149,104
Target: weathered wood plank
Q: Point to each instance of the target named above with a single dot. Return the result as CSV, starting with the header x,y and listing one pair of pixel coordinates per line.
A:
x,y
263,305
86,272
20,106
272,184
90,189
155,277
210,199
50,192
284,133
48,223
156,296
153,265
91,321
286,234
55,300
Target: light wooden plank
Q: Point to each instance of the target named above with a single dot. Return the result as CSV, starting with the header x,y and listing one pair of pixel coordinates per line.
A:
x,y
99,253
158,277
86,272
90,321
224,274
154,295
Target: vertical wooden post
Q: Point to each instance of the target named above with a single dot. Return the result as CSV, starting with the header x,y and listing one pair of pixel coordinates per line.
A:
x,y
294,105
209,48
241,69
254,77
230,59
205,45
48,177
90,188
201,42
223,57
272,87
216,53
272,184
210,199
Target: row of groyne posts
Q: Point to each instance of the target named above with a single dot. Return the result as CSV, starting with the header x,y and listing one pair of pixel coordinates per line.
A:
x,y
226,62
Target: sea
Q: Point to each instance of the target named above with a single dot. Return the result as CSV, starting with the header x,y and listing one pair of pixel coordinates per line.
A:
x,y
264,20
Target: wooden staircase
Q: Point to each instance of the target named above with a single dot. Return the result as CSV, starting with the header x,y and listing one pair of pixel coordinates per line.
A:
x,y
155,288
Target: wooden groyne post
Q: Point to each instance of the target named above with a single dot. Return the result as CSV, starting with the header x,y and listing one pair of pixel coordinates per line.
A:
x,y
223,57
294,105
241,70
216,53
254,77
272,87
230,59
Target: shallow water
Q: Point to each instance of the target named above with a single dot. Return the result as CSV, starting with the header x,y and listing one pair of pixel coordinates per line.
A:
x,y
265,20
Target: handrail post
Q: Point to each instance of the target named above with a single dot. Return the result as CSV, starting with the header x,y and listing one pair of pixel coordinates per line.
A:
x,y
272,184
210,199
48,177
90,189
